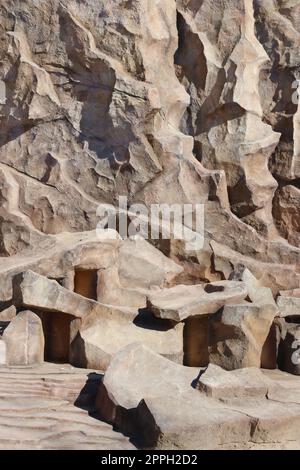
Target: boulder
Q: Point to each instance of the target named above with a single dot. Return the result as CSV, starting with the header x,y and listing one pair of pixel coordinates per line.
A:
x,y
288,306
150,398
141,265
181,302
139,268
36,291
96,344
111,292
218,383
257,292
237,335
157,403
24,340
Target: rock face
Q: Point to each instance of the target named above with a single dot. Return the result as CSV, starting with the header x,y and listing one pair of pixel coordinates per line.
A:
x,y
95,106
24,340
169,104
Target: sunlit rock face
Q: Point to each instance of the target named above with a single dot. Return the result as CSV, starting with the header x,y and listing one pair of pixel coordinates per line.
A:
x,y
164,102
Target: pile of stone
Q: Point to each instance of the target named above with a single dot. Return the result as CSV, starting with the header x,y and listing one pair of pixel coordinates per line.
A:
x,y
164,346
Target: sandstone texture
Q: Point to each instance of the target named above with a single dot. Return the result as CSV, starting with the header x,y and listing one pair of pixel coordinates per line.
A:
x,y
24,340
110,109
240,409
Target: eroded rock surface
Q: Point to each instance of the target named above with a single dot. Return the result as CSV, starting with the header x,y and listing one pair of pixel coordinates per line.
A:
x,y
240,409
24,340
166,102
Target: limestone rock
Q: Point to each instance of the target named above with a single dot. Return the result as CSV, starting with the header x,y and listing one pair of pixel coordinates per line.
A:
x,y
257,293
8,313
181,302
290,293
24,340
237,335
219,383
89,113
139,267
144,405
286,213
2,352
95,345
288,306
33,290
157,412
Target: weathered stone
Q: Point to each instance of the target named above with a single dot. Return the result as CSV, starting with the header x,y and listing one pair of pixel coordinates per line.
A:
x,y
157,413
257,293
287,214
33,290
145,407
8,314
95,345
181,302
237,335
2,352
24,340
227,100
290,293
218,383
288,306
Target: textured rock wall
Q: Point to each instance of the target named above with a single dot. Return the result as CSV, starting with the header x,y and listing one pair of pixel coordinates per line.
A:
x,y
163,101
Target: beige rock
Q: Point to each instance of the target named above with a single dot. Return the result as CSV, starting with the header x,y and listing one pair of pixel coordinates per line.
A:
x,y
257,293
290,293
139,267
181,302
286,212
8,314
174,102
33,290
95,345
2,352
145,406
218,383
155,410
237,335
24,340
288,306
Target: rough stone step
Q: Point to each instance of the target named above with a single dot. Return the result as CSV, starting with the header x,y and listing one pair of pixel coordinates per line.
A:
x,y
37,410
